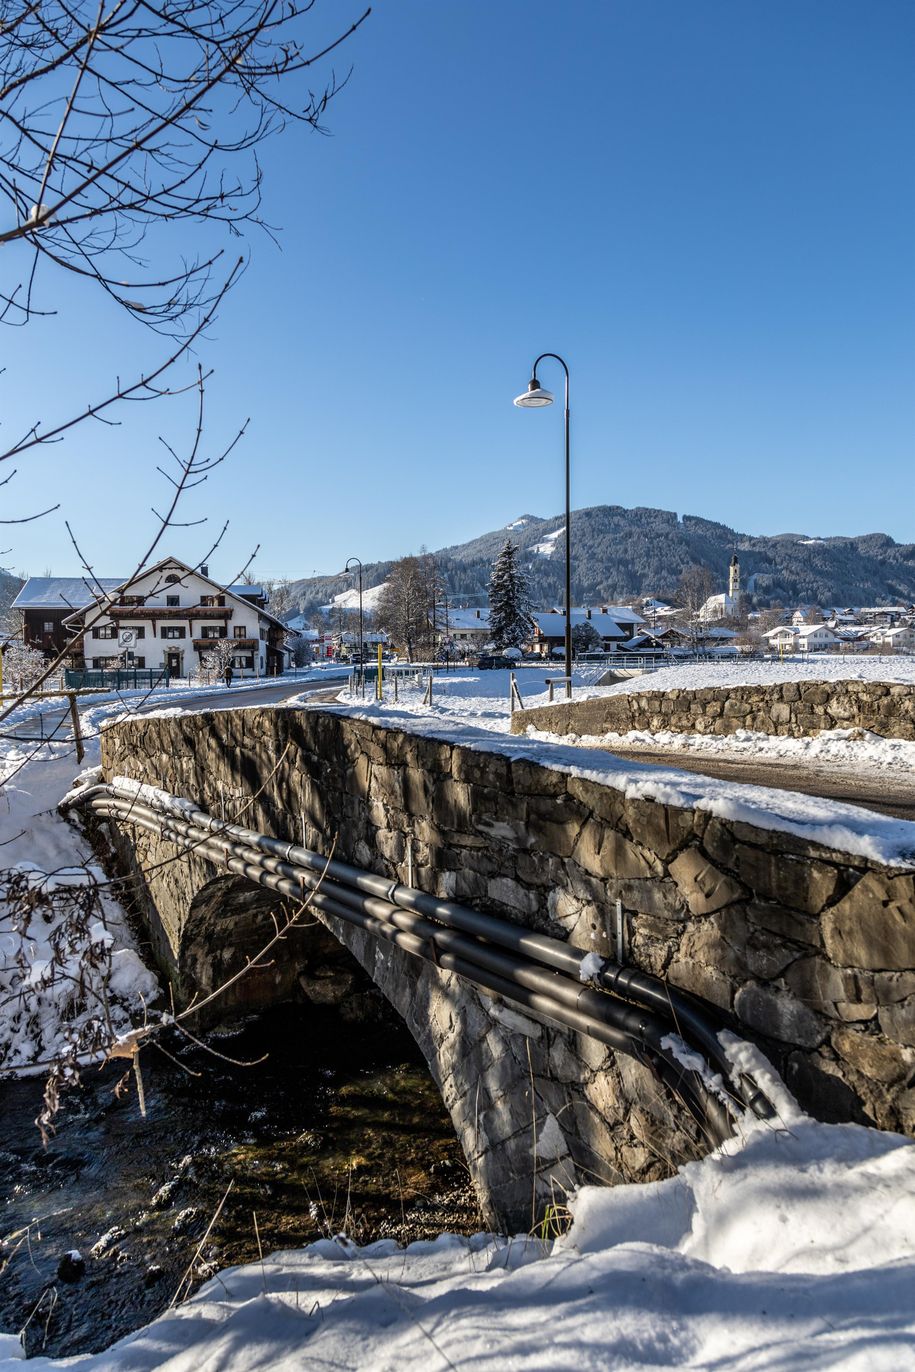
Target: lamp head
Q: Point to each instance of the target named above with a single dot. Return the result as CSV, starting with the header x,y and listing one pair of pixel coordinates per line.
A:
x,y
534,397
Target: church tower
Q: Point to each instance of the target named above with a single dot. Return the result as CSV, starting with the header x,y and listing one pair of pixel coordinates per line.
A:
x,y
734,579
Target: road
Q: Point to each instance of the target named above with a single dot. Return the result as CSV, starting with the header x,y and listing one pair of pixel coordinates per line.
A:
x,y
867,787
57,721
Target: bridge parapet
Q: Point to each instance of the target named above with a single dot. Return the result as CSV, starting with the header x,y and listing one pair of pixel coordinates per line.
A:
x,y
808,950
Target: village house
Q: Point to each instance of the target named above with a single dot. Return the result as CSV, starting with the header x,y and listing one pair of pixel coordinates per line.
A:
x,y
900,639
614,624
803,638
168,617
466,630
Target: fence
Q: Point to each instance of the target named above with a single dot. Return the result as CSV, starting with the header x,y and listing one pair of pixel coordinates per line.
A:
x,y
123,679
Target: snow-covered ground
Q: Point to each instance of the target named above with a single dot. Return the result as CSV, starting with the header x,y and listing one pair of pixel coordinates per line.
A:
x,y
845,749
791,1248
472,707
692,676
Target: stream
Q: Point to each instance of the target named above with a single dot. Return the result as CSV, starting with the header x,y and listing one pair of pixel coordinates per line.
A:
x,y
341,1129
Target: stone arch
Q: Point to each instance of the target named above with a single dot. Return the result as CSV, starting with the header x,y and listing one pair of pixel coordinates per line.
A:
x,y
228,921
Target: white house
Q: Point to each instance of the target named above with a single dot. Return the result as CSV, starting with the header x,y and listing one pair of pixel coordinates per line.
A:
x,y
898,640
169,616
465,629
815,638
804,638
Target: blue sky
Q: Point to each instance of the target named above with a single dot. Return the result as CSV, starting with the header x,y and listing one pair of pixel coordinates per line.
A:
x,y
707,207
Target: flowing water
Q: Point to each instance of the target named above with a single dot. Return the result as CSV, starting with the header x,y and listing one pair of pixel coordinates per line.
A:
x,y
340,1130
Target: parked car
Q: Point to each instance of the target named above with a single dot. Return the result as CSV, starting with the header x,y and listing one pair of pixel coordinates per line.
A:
x,y
489,660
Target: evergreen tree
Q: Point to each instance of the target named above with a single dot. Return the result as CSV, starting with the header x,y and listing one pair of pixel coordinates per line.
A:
x,y
510,622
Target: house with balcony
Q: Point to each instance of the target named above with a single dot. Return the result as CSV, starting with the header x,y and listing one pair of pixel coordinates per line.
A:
x,y
169,616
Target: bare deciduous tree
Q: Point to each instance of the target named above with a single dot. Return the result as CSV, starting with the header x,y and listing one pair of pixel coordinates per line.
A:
x,y
696,585
403,606
121,116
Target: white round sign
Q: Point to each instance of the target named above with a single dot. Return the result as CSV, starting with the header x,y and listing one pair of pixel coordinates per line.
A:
x,y
127,638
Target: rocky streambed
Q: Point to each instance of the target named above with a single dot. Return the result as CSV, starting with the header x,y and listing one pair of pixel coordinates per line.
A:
x,y
339,1130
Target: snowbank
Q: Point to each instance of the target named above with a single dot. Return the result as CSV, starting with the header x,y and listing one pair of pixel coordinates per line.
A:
x,y
844,749
693,676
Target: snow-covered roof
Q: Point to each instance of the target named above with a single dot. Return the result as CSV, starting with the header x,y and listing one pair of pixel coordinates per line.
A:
x,y
164,564
75,592
553,625
62,592
468,619
805,630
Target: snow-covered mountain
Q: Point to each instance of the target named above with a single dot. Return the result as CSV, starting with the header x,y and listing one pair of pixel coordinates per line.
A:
x,y
619,554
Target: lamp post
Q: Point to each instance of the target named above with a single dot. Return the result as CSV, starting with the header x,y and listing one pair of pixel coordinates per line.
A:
x,y
361,646
534,398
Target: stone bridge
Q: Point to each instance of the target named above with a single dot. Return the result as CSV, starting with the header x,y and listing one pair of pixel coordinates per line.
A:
x,y
806,950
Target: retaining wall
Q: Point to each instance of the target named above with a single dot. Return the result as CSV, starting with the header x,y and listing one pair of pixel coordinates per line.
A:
x,y
795,709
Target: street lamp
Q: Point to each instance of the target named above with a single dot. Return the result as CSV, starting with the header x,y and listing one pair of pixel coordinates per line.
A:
x,y
361,646
534,398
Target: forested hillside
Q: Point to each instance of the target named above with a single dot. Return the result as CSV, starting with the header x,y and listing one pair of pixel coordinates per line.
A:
x,y
619,554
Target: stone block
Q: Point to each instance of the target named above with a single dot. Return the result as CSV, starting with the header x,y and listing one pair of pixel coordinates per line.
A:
x,y
890,987
779,1015
801,884
787,924
603,802
703,887
505,891
451,808
417,791
819,1088
874,925
705,982
898,1021
873,1057
817,982
662,828
703,943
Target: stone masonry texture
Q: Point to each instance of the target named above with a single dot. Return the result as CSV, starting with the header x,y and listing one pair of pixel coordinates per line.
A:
x,y
795,709
807,951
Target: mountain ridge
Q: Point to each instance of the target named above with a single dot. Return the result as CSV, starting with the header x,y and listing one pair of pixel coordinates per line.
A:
x,y
620,554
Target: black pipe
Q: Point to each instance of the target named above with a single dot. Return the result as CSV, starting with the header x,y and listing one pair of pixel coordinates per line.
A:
x,y
688,1019
577,1006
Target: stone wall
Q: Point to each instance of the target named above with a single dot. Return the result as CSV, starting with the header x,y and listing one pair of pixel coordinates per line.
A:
x,y
808,951
796,709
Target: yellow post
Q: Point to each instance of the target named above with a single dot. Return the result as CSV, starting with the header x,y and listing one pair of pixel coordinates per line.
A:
x,y
379,694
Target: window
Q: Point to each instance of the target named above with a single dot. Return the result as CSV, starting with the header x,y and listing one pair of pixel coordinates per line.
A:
x,y
174,631
139,662
173,600
103,631
263,632
133,599
214,631
49,626
239,631
243,660
140,631
212,600
172,579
